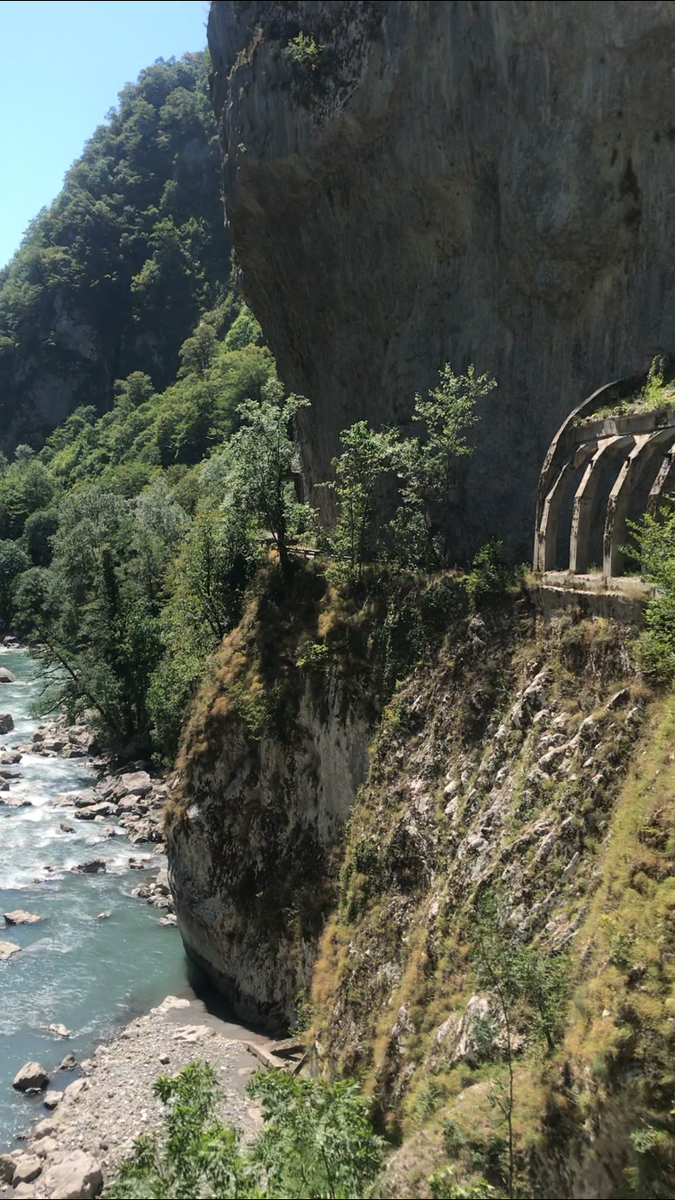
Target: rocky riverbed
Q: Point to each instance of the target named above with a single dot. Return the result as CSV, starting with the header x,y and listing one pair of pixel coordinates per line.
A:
x,y
126,801
83,892
93,1112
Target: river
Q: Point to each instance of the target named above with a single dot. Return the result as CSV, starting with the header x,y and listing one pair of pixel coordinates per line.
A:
x,y
73,969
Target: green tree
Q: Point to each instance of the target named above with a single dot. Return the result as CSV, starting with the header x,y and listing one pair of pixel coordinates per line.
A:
x,y
317,1141
25,487
94,614
195,1155
530,990
428,468
317,1138
654,538
207,585
365,457
262,463
38,532
13,561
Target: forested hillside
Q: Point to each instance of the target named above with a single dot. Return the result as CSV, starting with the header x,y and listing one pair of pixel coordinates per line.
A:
x,y
114,275
124,358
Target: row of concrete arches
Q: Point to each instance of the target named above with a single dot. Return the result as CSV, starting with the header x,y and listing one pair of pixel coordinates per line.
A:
x,y
599,474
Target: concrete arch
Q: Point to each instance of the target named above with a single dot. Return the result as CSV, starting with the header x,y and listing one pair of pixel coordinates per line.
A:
x,y
562,449
616,530
548,532
584,499
665,479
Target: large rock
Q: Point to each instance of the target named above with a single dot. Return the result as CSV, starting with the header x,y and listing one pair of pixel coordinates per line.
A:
x,y
6,723
19,916
32,1075
138,783
7,949
6,676
78,1177
486,183
94,866
8,1166
27,1167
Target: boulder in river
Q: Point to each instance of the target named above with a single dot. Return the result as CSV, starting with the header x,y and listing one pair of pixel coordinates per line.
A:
x,y
9,758
7,949
31,1076
6,676
68,1063
66,828
92,811
57,1030
6,722
19,916
52,1100
94,866
77,1176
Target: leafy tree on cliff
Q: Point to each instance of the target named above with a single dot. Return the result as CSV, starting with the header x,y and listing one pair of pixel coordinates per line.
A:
x,y
366,456
428,467
262,462
427,471
655,541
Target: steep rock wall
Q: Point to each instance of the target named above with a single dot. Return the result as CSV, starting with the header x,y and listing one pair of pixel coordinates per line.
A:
x,y
265,785
472,182
510,765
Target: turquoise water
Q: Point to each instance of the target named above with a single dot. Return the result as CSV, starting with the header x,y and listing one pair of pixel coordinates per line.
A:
x,y
89,975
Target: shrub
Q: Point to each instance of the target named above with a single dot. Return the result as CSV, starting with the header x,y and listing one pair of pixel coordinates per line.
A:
x,y
317,1140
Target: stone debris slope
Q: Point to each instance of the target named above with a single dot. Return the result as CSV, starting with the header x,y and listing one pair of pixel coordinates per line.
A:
x,y
78,1145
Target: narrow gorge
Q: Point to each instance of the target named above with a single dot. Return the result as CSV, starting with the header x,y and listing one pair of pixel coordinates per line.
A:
x,y
348,521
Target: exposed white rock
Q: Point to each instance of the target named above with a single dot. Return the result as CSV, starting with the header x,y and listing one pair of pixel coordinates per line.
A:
x,y
171,1002
78,1177
27,1167
19,916
31,1075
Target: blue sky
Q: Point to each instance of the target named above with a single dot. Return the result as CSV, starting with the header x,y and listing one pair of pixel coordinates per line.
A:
x,y
62,63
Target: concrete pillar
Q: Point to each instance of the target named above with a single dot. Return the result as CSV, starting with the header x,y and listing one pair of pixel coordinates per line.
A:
x,y
616,529
563,447
584,499
548,530
661,486
547,533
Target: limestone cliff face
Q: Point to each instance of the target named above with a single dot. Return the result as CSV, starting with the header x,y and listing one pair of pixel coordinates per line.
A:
x,y
487,183
262,801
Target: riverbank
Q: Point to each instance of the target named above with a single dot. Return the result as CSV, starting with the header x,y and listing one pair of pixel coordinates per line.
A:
x,y
80,851
98,1114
